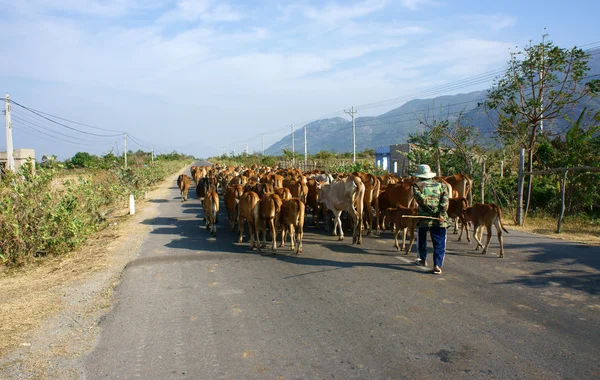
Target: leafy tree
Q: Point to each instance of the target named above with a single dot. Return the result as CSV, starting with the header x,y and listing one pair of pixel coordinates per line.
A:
x,y
543,82
82,160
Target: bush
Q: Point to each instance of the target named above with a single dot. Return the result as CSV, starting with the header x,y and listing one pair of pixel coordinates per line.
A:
x,y
41,216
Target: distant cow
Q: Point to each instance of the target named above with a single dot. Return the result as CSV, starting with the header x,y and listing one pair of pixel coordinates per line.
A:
x,y
291,221
246,209
183,182
232,197
481,215
210,203
267,212
396,215
345,195
283,192
205,185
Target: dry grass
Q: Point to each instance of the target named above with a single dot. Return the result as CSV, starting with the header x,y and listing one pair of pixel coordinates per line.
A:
x,y
33,296
573,229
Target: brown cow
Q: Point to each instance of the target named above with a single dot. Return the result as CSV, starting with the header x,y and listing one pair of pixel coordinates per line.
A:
x,y
291,221
400,194
267,211
485,215
205,185
196,173
345,195
183,182
396,215
232,197
246,206
210,203
456,208
312,200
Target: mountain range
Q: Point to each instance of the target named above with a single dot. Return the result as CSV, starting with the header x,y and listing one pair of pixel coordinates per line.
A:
x,y
394,127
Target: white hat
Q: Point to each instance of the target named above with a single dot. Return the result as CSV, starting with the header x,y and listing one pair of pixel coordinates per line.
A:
x,y
424,171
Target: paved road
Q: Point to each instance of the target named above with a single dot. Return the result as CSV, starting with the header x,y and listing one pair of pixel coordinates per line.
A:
x,y
195,307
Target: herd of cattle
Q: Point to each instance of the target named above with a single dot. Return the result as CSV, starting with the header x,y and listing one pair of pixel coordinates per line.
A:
x,y
277,198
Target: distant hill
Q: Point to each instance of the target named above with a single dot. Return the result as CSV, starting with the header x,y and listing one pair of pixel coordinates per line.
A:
x,y
393,127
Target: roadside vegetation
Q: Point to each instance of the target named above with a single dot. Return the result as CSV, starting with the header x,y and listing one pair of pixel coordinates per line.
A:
x,y
56,208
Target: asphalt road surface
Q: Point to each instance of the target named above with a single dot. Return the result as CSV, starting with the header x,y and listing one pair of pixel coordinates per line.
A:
x,y
196,307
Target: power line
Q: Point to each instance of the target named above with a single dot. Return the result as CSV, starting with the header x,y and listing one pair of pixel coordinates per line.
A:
x,y
29,129
61,124
70,121
34,125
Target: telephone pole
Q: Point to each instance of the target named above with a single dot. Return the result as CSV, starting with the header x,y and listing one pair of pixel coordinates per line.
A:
x,y
125,149
152,153
293,148
305,149
352,112
10,162
262,142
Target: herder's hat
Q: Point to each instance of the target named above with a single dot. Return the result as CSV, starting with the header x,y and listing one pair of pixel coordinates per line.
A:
x,y
424,171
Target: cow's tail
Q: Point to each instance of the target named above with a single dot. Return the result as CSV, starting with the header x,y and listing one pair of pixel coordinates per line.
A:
x,y
499,212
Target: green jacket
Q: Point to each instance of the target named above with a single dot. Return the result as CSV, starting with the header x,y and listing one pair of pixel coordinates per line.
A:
x,y
432,198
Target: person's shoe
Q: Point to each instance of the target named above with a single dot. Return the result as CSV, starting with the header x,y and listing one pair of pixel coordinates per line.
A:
x,y
421,262
437,270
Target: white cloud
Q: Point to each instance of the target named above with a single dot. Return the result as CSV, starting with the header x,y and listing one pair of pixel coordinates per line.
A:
x,y
494,22
102,8
334,13
415,4
194,10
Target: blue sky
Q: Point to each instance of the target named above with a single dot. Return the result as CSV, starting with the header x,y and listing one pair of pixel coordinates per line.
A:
x,y
196,75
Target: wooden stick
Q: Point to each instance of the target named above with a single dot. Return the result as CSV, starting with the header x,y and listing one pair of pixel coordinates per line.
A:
x,y
420,217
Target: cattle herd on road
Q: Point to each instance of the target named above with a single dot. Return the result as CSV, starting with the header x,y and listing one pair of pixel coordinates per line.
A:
x,y
276,199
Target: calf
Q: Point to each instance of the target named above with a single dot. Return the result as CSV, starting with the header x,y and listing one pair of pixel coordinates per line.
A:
x,y
210,203
267,211
481,215
232,198
291,220
248,202
456,208
400,194
396,215
183,182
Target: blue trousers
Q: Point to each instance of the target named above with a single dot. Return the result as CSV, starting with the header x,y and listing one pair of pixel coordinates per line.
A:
x,y
438,238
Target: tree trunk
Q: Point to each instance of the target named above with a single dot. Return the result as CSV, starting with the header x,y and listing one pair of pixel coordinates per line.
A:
x,y
439,165
529,185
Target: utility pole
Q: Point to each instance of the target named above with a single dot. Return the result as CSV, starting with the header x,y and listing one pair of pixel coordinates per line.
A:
x,y
246,149
10,162
152,153
293,148
305,149
352,112
262,142
125,149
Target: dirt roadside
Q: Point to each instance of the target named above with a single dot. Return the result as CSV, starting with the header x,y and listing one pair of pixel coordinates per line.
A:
x,y
50,311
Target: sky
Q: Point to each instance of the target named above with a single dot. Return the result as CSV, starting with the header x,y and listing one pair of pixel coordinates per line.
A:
x,y
199,76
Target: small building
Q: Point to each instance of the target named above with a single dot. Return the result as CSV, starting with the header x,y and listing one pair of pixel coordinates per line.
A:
x,y
393,158
20,156
382,157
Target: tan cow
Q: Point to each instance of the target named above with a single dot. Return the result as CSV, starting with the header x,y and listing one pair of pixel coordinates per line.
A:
x,y
196,173
183,182
481,215
284,193
345,194
371,192
246,206
210,203
291,221
396,215
232,198
462,184
267,212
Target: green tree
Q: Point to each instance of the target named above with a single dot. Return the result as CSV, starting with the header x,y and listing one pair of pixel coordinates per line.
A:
x,y
543,82
82,160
